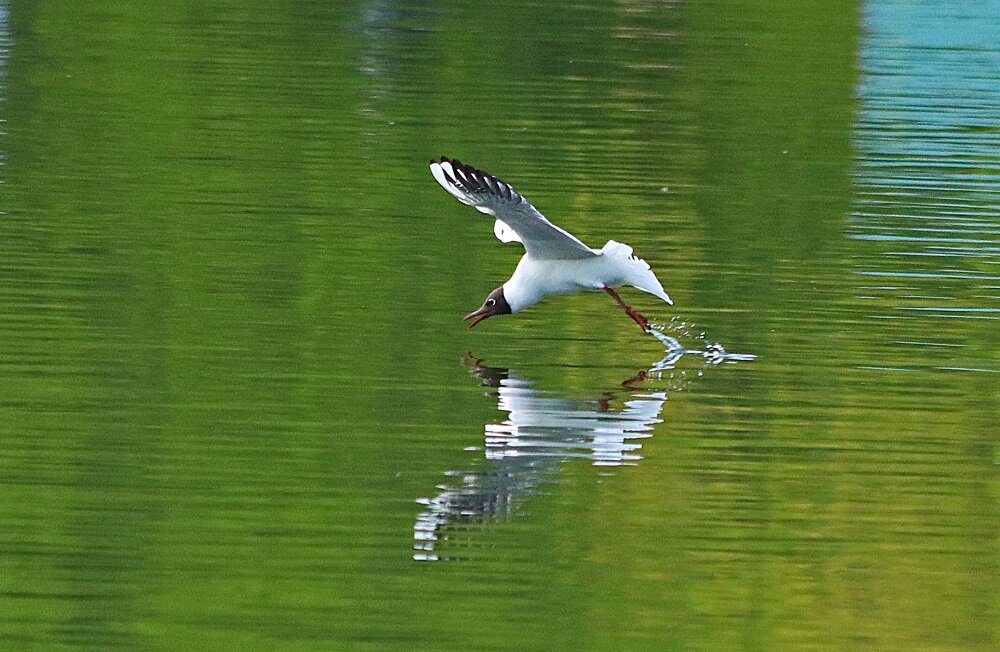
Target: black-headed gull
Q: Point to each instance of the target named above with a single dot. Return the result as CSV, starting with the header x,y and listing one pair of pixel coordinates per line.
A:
x,y
555,261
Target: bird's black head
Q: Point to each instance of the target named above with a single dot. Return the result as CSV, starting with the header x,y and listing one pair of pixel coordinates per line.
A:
x,y
495,304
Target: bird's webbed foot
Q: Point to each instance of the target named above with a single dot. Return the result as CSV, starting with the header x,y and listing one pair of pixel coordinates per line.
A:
x,y
638,318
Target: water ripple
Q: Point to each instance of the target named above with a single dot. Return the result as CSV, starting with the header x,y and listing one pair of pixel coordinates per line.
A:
x,y
928,161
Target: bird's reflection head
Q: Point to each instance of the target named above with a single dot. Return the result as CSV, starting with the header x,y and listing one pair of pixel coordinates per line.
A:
x,y
495,304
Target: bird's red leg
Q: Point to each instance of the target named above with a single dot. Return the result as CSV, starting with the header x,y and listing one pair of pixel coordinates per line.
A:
x,y
633,382
636,316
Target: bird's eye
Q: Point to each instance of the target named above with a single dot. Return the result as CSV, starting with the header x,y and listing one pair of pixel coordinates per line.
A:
x,y
490,302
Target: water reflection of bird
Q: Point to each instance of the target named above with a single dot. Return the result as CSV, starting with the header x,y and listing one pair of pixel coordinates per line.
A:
x,y
555,261
541,431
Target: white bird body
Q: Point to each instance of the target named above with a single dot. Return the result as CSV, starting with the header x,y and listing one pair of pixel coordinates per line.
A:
x,y
612,267
555,262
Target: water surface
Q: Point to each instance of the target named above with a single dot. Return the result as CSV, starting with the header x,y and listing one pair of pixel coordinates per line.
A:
x,y
241,410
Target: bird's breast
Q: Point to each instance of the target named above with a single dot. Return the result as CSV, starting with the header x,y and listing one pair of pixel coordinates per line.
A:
x,y
534,279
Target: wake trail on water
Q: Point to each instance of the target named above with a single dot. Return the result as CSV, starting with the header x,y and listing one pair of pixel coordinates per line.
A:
x,y
713,353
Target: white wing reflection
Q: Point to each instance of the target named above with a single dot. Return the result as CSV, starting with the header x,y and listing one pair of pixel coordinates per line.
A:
x,y
540,432
540,425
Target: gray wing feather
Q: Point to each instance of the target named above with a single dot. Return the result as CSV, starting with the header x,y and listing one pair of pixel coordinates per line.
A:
x,y
488,194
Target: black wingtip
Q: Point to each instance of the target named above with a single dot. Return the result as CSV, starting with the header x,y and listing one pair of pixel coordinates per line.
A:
x,y
478,180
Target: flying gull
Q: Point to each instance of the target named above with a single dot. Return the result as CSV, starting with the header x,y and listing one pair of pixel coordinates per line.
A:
x,y
555,261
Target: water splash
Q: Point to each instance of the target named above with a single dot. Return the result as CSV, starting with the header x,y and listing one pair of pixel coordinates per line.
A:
x,y
713,353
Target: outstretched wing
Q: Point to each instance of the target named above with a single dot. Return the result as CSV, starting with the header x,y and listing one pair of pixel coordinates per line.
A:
x,y
517,220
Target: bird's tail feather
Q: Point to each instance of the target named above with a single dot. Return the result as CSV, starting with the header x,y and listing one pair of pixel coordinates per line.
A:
x,y
639,273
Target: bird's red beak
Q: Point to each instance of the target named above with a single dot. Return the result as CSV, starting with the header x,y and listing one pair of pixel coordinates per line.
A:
x,y
479,315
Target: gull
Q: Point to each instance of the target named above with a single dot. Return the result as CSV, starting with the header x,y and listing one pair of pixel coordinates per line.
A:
x,y
555,262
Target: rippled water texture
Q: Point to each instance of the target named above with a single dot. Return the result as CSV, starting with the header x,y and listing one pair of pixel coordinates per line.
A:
x,y
928,193
241,410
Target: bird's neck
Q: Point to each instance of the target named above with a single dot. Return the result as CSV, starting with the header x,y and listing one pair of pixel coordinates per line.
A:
x,y
520,295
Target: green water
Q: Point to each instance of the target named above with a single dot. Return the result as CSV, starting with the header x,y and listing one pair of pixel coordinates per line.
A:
x,y
240,410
